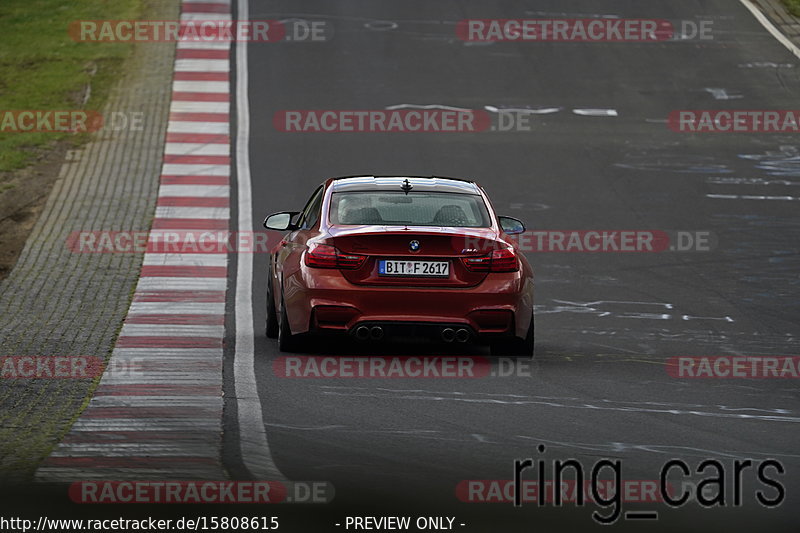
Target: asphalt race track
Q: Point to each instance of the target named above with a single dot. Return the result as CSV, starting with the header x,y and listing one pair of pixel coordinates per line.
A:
x,y
607,323
659,182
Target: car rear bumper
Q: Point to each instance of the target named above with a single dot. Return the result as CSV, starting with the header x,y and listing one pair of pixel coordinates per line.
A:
x,y
500,306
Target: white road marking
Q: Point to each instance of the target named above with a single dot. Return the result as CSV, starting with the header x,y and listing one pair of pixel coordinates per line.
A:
x,y
194,400
153,259
596,112
255,450
141,424
214,128
176,308
722,94
201,86
771,27
184,106
217,213
206,16
766,64
750,197
171,330
205,191
431,106
534,111
159,283
173,169
122,449
203,45
202,65
197,149
171,355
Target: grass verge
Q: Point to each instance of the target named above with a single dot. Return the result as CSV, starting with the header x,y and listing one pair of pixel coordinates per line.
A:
x,y
793,6
42,68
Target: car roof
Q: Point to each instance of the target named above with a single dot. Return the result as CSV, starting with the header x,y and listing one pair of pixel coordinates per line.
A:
x,y
419,183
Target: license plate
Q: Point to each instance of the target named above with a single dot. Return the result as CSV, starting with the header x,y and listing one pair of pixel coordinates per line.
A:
x,y
434,269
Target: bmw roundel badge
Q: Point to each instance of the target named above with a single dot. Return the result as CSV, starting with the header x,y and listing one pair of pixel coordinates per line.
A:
x,y
413,246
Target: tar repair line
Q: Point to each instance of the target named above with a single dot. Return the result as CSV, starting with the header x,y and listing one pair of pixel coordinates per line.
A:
x,y
771,27
256,454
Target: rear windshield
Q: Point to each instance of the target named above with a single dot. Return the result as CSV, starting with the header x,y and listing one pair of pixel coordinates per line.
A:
x,y
414,209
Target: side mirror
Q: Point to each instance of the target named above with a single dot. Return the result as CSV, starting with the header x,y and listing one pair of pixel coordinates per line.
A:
x,y
511,225
280,221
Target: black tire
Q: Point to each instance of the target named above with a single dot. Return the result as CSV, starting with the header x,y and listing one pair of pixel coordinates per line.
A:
x,y
272,314
286,341
516,347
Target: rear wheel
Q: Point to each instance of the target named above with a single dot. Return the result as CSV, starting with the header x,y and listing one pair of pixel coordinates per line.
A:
x,y
272,314
515,346
286,341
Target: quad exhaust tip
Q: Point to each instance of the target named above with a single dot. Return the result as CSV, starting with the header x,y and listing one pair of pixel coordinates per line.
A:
x,y
448,334
376,333
362,333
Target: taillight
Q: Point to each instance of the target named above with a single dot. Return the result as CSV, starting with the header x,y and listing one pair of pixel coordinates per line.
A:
x,y
327,256
504,260
477,264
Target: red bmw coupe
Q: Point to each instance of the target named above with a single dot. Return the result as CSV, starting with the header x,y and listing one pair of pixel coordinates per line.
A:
x,y
376,257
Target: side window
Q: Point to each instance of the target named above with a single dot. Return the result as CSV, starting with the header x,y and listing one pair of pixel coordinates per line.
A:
x,y
310,214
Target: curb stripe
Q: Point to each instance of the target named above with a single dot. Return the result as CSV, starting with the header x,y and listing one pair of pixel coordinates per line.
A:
x,y
179,296
198,159
197,106
200,53
212,170
193,212
177,308
175,137
157,411
204,65
200,96
147,390
204,191
199,117
190,224
188,258
206,7
123,462
197,149
151,412
201,76
201,86
195,180
191,201
200,128
168,342
184,271
200,320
